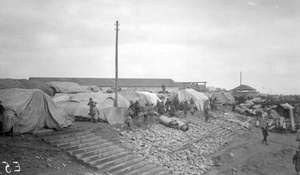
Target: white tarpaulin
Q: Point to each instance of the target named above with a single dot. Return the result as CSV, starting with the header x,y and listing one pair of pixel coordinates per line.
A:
x,y
141,97
199,98
77,105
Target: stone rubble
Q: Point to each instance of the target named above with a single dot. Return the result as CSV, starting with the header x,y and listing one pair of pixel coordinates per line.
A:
x,y
157,144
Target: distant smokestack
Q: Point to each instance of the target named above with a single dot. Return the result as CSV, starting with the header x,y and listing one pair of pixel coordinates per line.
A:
x,y
241,78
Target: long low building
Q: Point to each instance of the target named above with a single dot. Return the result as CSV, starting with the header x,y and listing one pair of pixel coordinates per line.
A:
x,y
153,85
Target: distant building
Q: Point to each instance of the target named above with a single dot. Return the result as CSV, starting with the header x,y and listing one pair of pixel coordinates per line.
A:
x,y
197,86
153,85
244,91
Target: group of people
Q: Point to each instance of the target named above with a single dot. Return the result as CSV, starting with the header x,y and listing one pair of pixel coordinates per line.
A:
x,y
137,112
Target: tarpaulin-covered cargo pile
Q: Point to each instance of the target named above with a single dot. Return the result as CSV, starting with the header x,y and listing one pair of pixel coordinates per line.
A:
x,y
200,99
141,97
162,146
76,105
224,97
34,110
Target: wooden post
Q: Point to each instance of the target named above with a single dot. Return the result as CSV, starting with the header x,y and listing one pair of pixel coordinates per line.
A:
x,y
241,78
116,62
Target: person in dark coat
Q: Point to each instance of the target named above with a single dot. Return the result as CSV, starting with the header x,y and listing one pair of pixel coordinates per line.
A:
x,y
151,111
93,110
206,115
132,108
163,87
185,108
160,107
146,112
172,111
128,119
168,105
192,101
211,104
1,108
233,107
137,108
296,161
176,104
265,134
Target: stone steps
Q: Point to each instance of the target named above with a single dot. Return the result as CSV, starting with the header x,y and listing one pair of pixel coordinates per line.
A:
x,y
100,153
130,168
141,169
82,145
220,131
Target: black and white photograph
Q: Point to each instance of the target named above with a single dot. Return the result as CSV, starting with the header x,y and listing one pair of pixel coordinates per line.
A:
x,y
150,87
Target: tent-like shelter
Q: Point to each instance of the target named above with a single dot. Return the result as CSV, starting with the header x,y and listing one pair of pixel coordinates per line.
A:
x,y
141,97
200,99
76,105
223,97
34,110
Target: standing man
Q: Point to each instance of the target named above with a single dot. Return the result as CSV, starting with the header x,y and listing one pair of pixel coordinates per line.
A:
x,y
206,115
192,102
211,102
176,104
93,110
128,119
160,107
146,112
265,134
296,161
168,105
91,104
94,114
163,87
137,108
185,108
151,111
1,108
264,127
233,107
172,111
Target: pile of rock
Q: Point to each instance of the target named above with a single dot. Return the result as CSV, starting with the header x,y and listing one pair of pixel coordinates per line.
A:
x,y
160,145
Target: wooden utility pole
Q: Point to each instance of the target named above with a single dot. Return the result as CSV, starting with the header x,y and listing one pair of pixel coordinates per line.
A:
x,y
241,78
116,61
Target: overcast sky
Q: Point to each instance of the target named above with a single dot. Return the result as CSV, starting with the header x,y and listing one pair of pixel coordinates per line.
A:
x,y
185,40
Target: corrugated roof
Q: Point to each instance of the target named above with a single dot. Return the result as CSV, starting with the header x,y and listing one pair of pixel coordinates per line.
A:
x,y
243,88
110,82
197,87
102,82
139,82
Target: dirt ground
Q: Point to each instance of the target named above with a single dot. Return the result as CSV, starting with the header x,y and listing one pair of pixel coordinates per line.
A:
x,y
245,155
